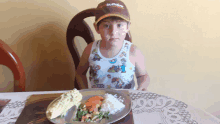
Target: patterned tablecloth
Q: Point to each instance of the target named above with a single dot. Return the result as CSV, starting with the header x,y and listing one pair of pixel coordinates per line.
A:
x,y
147,107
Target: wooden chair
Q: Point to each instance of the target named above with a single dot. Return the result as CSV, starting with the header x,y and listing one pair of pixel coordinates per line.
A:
x,y
78,27
11,60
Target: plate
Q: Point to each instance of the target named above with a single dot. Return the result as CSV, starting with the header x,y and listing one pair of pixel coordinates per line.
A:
x,y
87,93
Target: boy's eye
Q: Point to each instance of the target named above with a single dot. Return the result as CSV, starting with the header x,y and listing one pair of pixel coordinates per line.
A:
x,y
106,25
119,25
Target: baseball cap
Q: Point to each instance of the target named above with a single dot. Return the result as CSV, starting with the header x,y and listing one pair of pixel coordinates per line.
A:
x,y
111,8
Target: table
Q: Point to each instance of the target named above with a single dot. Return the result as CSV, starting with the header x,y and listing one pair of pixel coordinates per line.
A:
x,y
147,107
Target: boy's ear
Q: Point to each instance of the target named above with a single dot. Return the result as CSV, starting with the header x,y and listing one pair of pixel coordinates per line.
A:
x,y
96,28
128,26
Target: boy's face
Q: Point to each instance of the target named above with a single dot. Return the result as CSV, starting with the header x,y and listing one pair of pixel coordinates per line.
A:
x,y
113,31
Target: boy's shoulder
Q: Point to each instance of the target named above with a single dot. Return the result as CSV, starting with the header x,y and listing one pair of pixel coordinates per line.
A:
x,y
88,48
136,53
134,50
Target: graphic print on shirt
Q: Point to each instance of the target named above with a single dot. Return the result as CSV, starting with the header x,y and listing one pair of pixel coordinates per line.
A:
x,y
128,85
109,76
98,86
123,69
118,68
113,61
93,73
114,69
111,72
123,61
96,57
94,51
123,54
117,83
126,46
109,86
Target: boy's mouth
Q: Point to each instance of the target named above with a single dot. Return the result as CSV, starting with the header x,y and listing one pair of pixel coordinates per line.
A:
x,y
113,38
109,38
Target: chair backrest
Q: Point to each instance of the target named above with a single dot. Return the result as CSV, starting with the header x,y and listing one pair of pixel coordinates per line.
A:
x,y
78,27
11,60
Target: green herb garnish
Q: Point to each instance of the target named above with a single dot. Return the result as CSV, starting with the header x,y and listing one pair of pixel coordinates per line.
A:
x,y
106,115
87,120
99,108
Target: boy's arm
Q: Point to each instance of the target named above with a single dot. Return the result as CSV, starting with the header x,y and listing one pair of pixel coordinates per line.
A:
x,y
142,76
82,68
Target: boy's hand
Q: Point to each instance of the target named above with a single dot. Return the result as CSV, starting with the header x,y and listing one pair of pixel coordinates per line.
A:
x,y
83,68
142,76
142,84
142,89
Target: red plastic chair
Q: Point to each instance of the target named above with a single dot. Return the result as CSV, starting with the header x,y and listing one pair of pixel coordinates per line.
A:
x,y
11,60
78,27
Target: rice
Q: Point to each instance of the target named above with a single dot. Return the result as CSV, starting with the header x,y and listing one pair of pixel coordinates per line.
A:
x,y
111,104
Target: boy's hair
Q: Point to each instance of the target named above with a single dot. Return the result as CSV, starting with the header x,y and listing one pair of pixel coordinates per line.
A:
x,y
112,18
111,8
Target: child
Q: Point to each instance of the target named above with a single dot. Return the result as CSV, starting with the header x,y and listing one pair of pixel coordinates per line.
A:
x,y
112,60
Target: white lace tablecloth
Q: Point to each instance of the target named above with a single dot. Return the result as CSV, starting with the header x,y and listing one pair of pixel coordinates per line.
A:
x,y
147,108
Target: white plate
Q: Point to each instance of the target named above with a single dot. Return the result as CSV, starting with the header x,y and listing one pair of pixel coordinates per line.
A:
x,y
87,93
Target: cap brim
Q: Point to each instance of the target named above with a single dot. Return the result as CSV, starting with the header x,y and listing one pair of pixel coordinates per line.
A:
x,y
110,15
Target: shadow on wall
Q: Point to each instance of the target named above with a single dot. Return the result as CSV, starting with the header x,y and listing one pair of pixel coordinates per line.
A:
x,y
36,31
6,75
50,65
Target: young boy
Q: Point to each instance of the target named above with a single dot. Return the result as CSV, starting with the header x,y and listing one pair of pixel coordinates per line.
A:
x,y
112,60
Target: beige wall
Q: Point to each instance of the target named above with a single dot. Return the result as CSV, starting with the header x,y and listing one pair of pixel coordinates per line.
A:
x,y
179,38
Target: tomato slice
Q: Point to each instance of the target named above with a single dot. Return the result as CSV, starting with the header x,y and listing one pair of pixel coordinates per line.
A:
x,y
93,101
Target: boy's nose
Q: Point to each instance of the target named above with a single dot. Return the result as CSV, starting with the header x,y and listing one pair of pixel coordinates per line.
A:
x,y
113,30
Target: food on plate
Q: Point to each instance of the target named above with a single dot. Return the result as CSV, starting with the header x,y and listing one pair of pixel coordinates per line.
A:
x,y
98,107
66,101
111,104
93,103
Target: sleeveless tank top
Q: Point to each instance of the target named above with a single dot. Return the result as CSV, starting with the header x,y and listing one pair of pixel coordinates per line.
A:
x,y
113,73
